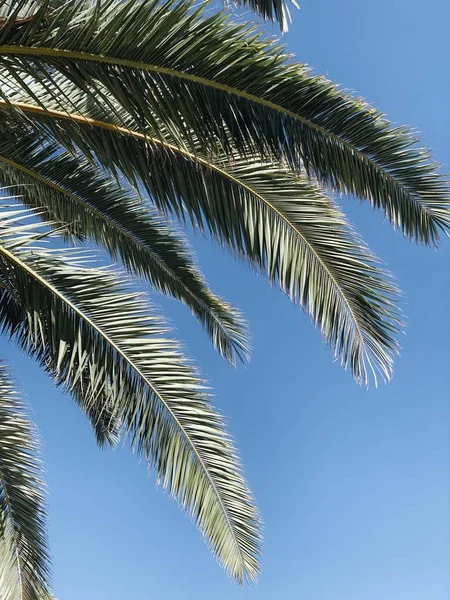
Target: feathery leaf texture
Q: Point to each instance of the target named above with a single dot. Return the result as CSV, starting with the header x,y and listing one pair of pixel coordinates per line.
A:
x,y
28,10
24,563
197,72
219,127
281,223
105,345
68,189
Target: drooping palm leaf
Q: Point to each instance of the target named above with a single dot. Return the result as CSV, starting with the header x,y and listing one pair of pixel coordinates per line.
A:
x,y
24,562
196,73
70,190
107,347
16,230
201,113
282,223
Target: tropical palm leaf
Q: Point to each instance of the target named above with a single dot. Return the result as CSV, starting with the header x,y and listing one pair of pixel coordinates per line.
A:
x,y
104,345
67,189
29,10
24,562
220,127
282,223
196,73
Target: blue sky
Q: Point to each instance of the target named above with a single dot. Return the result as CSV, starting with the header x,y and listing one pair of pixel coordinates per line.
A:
x,y
353,485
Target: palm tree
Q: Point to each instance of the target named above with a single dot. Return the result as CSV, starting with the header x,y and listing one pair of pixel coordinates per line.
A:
x,y
115,118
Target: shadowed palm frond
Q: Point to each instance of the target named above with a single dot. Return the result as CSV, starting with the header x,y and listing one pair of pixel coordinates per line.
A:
x,y
269,10
196,73
24,562
70,190
105,345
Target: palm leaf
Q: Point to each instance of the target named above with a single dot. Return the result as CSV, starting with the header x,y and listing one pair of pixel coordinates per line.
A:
x,y
15,321
105,345
270,10
24,562
30,10
283,224
196,73
70,190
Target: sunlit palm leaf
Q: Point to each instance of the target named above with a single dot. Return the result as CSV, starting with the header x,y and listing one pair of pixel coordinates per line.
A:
x,y
70,190
28,10
196,73
24,563
222,128
103,344
282,223
106,425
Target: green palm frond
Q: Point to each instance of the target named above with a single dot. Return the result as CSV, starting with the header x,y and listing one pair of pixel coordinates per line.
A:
x,y
197,73
24,563
15,319
69,189
28,10
282,223
104,101
105,345
270,10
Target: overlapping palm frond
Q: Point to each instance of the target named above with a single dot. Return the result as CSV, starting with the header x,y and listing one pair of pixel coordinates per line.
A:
x,y
196,73
106,346
28,10
219,127
24,563
68,189
270,10
282,223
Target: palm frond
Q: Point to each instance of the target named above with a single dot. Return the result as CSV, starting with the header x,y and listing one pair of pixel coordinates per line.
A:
x,y
69,189
282,223
270,10
15,319
24,562
104,344
27,11
197,73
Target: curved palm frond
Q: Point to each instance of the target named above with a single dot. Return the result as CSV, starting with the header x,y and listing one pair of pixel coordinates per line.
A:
x,y
24,562
196,73
282,223
15,321
70,190
104,345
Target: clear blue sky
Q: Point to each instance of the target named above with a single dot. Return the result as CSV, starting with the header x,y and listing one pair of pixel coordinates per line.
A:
x,y
353,486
